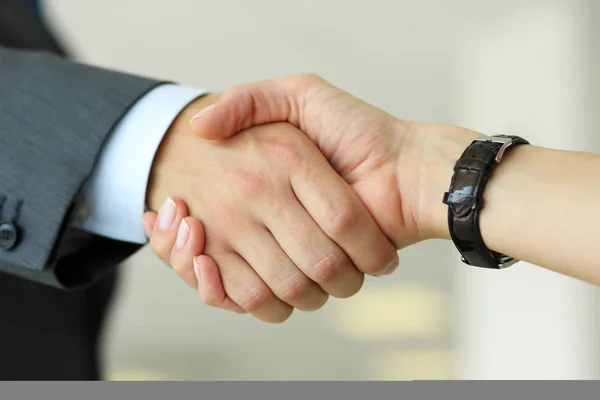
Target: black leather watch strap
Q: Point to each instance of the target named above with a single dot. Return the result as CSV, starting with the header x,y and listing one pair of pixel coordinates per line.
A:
x,y
465,199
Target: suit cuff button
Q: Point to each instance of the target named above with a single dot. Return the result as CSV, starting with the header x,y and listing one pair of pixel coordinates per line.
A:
x,y
8,235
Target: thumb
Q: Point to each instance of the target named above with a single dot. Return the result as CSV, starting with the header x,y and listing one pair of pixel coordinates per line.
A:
x,y
248,105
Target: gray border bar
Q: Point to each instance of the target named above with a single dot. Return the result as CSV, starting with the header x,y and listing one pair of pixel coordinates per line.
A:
x,y
504,390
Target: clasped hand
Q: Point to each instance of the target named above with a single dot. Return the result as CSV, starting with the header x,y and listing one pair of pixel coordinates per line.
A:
x,y
287,191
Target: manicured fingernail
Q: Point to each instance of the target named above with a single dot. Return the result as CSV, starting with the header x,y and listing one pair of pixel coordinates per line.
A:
x,y
202,112
183,233
146,228
197,269
166,216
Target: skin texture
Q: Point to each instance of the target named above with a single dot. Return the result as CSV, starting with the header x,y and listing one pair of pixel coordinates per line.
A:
x,y
400,171
285,230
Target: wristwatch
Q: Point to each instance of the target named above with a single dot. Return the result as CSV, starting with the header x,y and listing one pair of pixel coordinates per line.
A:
x,y
465,199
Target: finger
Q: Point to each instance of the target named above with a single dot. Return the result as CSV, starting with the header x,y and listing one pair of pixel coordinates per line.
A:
x,y
148,220
248,105
336,208
210,285
280,273
166,227
247,289
317,256
189,243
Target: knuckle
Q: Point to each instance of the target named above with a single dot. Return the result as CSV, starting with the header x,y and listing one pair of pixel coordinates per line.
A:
x,y
216,302
307,78
250,184
211,301
254,298
282,152
239,91
329,267
343,220
244,97
294,288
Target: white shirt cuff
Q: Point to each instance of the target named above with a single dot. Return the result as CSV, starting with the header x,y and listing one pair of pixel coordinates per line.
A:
x,y
115,193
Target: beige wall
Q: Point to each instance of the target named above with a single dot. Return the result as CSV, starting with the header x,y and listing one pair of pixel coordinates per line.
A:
x,y
407,57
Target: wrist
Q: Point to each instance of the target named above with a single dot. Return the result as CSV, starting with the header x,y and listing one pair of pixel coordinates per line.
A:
x,y
425,168
156,192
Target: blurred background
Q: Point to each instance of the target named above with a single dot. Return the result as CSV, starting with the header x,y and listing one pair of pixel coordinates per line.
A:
x,y
527,67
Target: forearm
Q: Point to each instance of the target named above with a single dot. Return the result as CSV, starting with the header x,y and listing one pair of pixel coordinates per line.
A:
x,y
540,205
56,116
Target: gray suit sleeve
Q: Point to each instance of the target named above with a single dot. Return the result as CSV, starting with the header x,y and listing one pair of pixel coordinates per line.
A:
x,y
54,118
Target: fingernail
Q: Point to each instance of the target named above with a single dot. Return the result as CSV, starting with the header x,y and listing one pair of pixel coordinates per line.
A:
x,y
202,112
146,228
183,233
166,216
197,269
391,267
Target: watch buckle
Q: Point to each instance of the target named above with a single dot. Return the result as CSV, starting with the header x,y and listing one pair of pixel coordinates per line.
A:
x,y
507,263
503,263
505,141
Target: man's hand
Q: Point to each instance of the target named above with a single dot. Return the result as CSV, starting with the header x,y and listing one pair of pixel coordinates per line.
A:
x,y
281,224
365,145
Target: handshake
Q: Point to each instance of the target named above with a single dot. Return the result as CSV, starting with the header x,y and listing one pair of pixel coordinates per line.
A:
x,y
291,190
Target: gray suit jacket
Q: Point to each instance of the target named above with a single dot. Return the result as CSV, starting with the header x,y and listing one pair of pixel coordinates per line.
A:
x,y
54,118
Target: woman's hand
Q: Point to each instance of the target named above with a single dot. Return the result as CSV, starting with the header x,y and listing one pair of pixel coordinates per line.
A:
x,y
182,248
